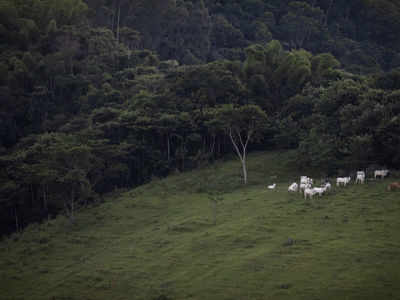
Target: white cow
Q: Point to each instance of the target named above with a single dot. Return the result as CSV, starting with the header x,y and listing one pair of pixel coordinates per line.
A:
x,y
293,187
272,186
328,186
344,180
360,177
304,186
319,190
305,182
381,173
303,179
309,192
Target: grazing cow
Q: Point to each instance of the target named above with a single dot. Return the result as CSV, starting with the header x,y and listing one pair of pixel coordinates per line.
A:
x,y
293,187
381,173
394,186
328,186
319,190
272,186
344,180
360,177
309,192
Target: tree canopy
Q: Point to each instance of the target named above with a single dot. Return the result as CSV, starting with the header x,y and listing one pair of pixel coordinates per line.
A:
x,y
100,95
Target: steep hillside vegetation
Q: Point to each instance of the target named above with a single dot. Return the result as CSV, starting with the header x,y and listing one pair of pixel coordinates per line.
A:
x,y
203,235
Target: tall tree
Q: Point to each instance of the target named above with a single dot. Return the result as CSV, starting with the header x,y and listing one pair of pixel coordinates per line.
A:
x,y
242,125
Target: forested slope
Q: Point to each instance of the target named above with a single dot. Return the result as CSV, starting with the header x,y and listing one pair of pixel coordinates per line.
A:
x,y
361,34
99,95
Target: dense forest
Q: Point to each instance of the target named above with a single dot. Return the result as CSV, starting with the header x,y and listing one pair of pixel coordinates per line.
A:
x,y
99,95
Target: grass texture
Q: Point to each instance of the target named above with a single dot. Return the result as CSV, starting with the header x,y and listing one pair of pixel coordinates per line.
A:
x,y
204,235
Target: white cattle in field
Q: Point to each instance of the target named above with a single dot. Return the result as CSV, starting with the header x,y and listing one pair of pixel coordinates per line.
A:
x,y
360,177
309,192
381,173
306,179
305,182
319,190
272,186
304,186
342,180
328,186
293,187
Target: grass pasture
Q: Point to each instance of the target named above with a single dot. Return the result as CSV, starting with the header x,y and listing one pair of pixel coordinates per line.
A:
x,y
160,240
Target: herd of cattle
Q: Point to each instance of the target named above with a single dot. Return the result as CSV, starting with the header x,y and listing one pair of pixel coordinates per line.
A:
x,y
308,190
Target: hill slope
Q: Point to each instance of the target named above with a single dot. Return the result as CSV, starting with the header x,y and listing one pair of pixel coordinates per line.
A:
x,y
160,239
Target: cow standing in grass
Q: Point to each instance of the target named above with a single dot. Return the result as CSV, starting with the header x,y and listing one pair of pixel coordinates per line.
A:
x,y
394,186
381,173
309,192
293,187
342,180
360,177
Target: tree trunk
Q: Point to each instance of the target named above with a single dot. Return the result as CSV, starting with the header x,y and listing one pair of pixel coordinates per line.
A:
x,y
183,158
241,152
44,197
112,21
118,18
244,170
204,140
32,195
168,148
327,13
70,209
212,147
16,219
72,205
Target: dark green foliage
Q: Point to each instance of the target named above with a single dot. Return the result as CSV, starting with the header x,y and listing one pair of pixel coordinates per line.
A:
x,y
350,125
98,95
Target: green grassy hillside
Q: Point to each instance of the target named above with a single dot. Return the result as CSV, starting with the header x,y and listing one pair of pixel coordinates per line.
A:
x,y
160,240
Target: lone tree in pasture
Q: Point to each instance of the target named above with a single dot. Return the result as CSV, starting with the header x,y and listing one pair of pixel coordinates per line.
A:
x,y
242,124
